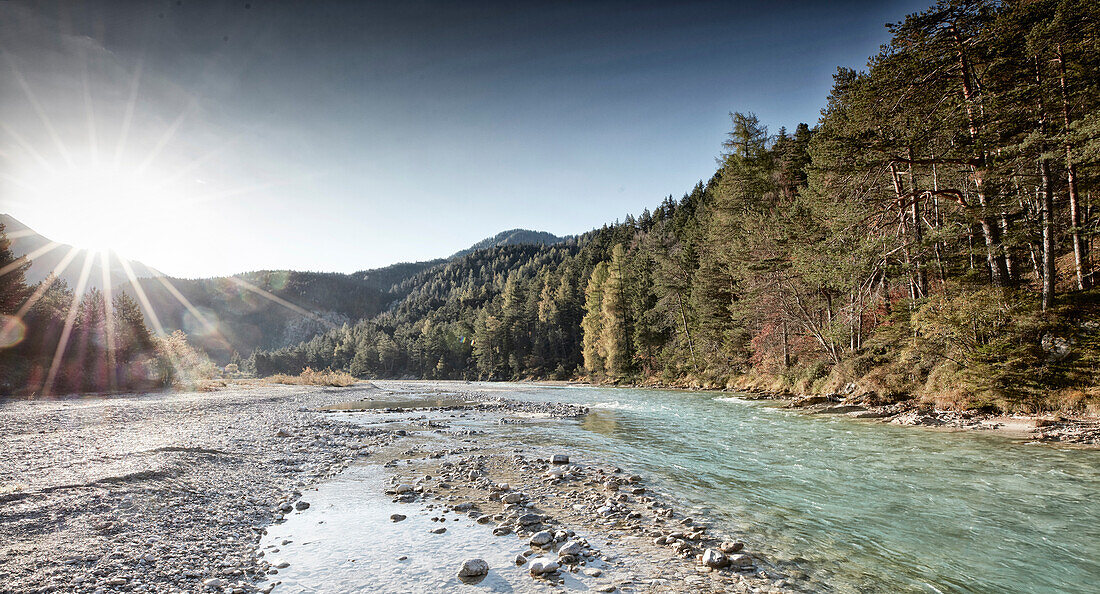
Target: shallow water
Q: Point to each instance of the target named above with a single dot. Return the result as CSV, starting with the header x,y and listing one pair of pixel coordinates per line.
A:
x,y
859,506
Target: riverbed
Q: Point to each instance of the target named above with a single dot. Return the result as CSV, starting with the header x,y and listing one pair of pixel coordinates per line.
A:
x,y
853,506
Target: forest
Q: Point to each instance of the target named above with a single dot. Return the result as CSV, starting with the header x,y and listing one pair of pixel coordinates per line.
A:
x,y
55,339
930,237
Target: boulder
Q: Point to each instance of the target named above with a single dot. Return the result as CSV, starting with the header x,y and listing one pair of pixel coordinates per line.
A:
x,y
473,568
543,566
542,538
740,560
715,559
397,517
573,547
528,519
559,459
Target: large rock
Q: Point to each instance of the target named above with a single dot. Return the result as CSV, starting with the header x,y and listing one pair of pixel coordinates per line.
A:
x,y
573,547
528,519
741,560
715,559
473,568
512,498
541,538
559,459
402,488
543,566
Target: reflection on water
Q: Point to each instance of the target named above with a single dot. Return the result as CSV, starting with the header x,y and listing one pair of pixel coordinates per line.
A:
x,y
601,421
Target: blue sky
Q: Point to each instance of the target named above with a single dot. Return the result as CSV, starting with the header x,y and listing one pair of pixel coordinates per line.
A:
x,y
211,138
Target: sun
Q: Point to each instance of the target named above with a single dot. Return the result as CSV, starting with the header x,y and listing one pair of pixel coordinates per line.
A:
x,y
102,207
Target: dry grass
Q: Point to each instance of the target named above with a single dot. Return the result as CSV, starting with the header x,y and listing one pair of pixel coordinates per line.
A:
x,y
309,377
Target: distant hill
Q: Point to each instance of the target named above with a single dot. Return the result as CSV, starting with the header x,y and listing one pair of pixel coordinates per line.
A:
x,y
47,254
512,237
266,309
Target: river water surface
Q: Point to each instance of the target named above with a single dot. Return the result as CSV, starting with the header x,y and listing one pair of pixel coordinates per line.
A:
x,y
859,506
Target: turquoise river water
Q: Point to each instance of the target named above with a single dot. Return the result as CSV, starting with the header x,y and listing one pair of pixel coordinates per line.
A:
x,y
858,506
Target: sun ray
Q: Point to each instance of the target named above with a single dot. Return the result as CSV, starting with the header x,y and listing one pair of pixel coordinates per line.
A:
x,y
129,115
194,164
211,327
142,298
40,291
109,319
29,257
283,302
21,183
18,234
39,109
89,111
33,152
70,319
166,137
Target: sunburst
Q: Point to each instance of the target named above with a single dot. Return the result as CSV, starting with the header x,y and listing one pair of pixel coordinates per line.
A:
x,y
113,197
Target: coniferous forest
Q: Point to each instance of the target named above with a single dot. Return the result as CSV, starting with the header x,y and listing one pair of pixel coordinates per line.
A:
x,y
930,236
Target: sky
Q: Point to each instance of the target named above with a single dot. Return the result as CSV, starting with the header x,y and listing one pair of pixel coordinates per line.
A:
x,y
209,138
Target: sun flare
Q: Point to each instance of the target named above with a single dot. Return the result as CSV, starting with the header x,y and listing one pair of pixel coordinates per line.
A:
x,y
105,207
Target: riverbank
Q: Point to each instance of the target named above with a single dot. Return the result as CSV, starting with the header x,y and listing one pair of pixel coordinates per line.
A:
x,y
1077,431
175,493
165,492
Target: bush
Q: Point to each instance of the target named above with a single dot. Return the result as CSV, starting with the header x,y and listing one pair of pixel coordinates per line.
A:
x,y
309,377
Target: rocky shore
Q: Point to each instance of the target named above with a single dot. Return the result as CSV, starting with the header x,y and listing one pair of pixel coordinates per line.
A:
x,y
159,492
1081,431
175,493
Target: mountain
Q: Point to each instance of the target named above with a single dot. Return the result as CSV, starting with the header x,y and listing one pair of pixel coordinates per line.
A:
x,y
266,309
45,256
512,237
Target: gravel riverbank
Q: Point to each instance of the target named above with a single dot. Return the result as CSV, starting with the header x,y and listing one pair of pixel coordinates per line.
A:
x,y
175,492
158,492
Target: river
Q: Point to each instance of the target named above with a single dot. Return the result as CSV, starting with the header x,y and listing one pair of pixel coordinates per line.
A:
x,y
858,506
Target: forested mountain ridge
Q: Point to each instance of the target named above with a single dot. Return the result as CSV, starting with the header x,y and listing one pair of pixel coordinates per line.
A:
x,y
512,237
270,309
930,236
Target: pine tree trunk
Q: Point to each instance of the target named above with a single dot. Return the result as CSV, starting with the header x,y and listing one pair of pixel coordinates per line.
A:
x,y
997,268
1084,276
1047,197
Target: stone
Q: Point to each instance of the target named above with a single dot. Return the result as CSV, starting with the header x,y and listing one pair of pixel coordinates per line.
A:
x,y
520,559
542,567
740,560
529,519
559,459
715,559
542,538
438,531
301,505
512,498
397,517
213,583
473,568
402,488
731,547
502,530
573,547
593,572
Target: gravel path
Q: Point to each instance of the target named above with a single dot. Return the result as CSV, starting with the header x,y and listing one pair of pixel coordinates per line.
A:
x,y
159,492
